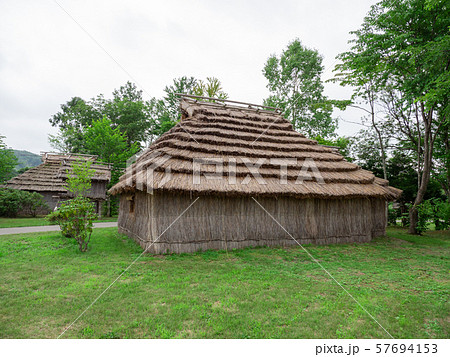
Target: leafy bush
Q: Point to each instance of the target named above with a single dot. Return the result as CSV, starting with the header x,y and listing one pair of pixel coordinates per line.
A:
x,y
76,216
393,214
32,202
76,219
425,210
435,210
441,214
13,201
10,202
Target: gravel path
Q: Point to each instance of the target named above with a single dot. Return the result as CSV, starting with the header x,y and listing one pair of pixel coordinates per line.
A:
x,y
19,230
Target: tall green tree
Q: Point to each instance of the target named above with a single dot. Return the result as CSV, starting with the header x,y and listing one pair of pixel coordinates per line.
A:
x,y
110,145
404,45
8,161
294,80
127,111
165,112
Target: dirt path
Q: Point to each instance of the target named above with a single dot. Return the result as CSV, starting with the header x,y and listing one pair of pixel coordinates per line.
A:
x,y
19,230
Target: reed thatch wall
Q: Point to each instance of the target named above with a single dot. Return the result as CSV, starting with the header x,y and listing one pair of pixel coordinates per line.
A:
x,y
238,222
343,204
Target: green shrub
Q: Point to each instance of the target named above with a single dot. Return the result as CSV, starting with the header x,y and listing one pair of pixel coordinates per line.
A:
x,y
441,214
32,202
76,218
393,214
11,202
425,210
435,210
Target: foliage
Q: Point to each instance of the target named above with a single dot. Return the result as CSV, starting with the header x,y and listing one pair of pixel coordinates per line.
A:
x,y
342,143
165,112
22,170
76,219
365,148
8,161
441,214
294,80
139,121
110,145
79,179
441,168
210,88
400,56
127,110
10,202
33,202
13,201
433,210
393,215
425,211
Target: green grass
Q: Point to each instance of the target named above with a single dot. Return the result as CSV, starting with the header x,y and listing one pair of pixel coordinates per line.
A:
x,y
37,221
402,280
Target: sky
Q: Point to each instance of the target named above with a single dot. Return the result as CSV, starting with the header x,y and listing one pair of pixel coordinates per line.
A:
x,y
51,51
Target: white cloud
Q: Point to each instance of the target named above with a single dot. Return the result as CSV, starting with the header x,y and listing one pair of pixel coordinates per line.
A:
x,y
45,58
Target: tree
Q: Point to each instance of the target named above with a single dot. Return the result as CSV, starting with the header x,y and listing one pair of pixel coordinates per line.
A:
x,y
79,181
127,110
165,113
76,216
296,86
110,145
343,144
403,46
75,115
210,88
8,161
441,169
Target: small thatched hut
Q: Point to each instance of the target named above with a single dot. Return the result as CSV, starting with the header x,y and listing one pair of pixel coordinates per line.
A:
x,y
245,163
49,178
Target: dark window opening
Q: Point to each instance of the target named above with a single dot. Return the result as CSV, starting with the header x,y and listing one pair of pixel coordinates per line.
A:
x,y
131,200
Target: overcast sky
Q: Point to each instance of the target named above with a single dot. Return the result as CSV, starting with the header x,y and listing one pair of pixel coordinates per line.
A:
x,y
46,57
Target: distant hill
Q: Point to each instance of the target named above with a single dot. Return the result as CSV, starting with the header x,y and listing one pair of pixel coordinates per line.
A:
x,y
26,159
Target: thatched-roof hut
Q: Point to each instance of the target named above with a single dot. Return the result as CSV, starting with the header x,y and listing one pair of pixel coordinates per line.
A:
x,y
245,163
49,179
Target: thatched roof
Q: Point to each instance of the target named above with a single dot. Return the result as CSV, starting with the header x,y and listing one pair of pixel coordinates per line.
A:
x,y
52,173
215,133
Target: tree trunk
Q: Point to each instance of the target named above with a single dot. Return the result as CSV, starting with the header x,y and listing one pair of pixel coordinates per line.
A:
x,y
425,177
109,206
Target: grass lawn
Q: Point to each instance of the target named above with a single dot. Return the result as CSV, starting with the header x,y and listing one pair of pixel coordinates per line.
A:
x,y
402,280
37,221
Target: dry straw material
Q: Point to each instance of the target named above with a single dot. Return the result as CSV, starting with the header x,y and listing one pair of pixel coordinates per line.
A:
x,y
49,178
230,156
235,138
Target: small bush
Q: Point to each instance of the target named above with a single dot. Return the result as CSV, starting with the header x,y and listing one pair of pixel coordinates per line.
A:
x,y
435,210
425,211
33,202
393,214
76,218
10,202
13,201
441,214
